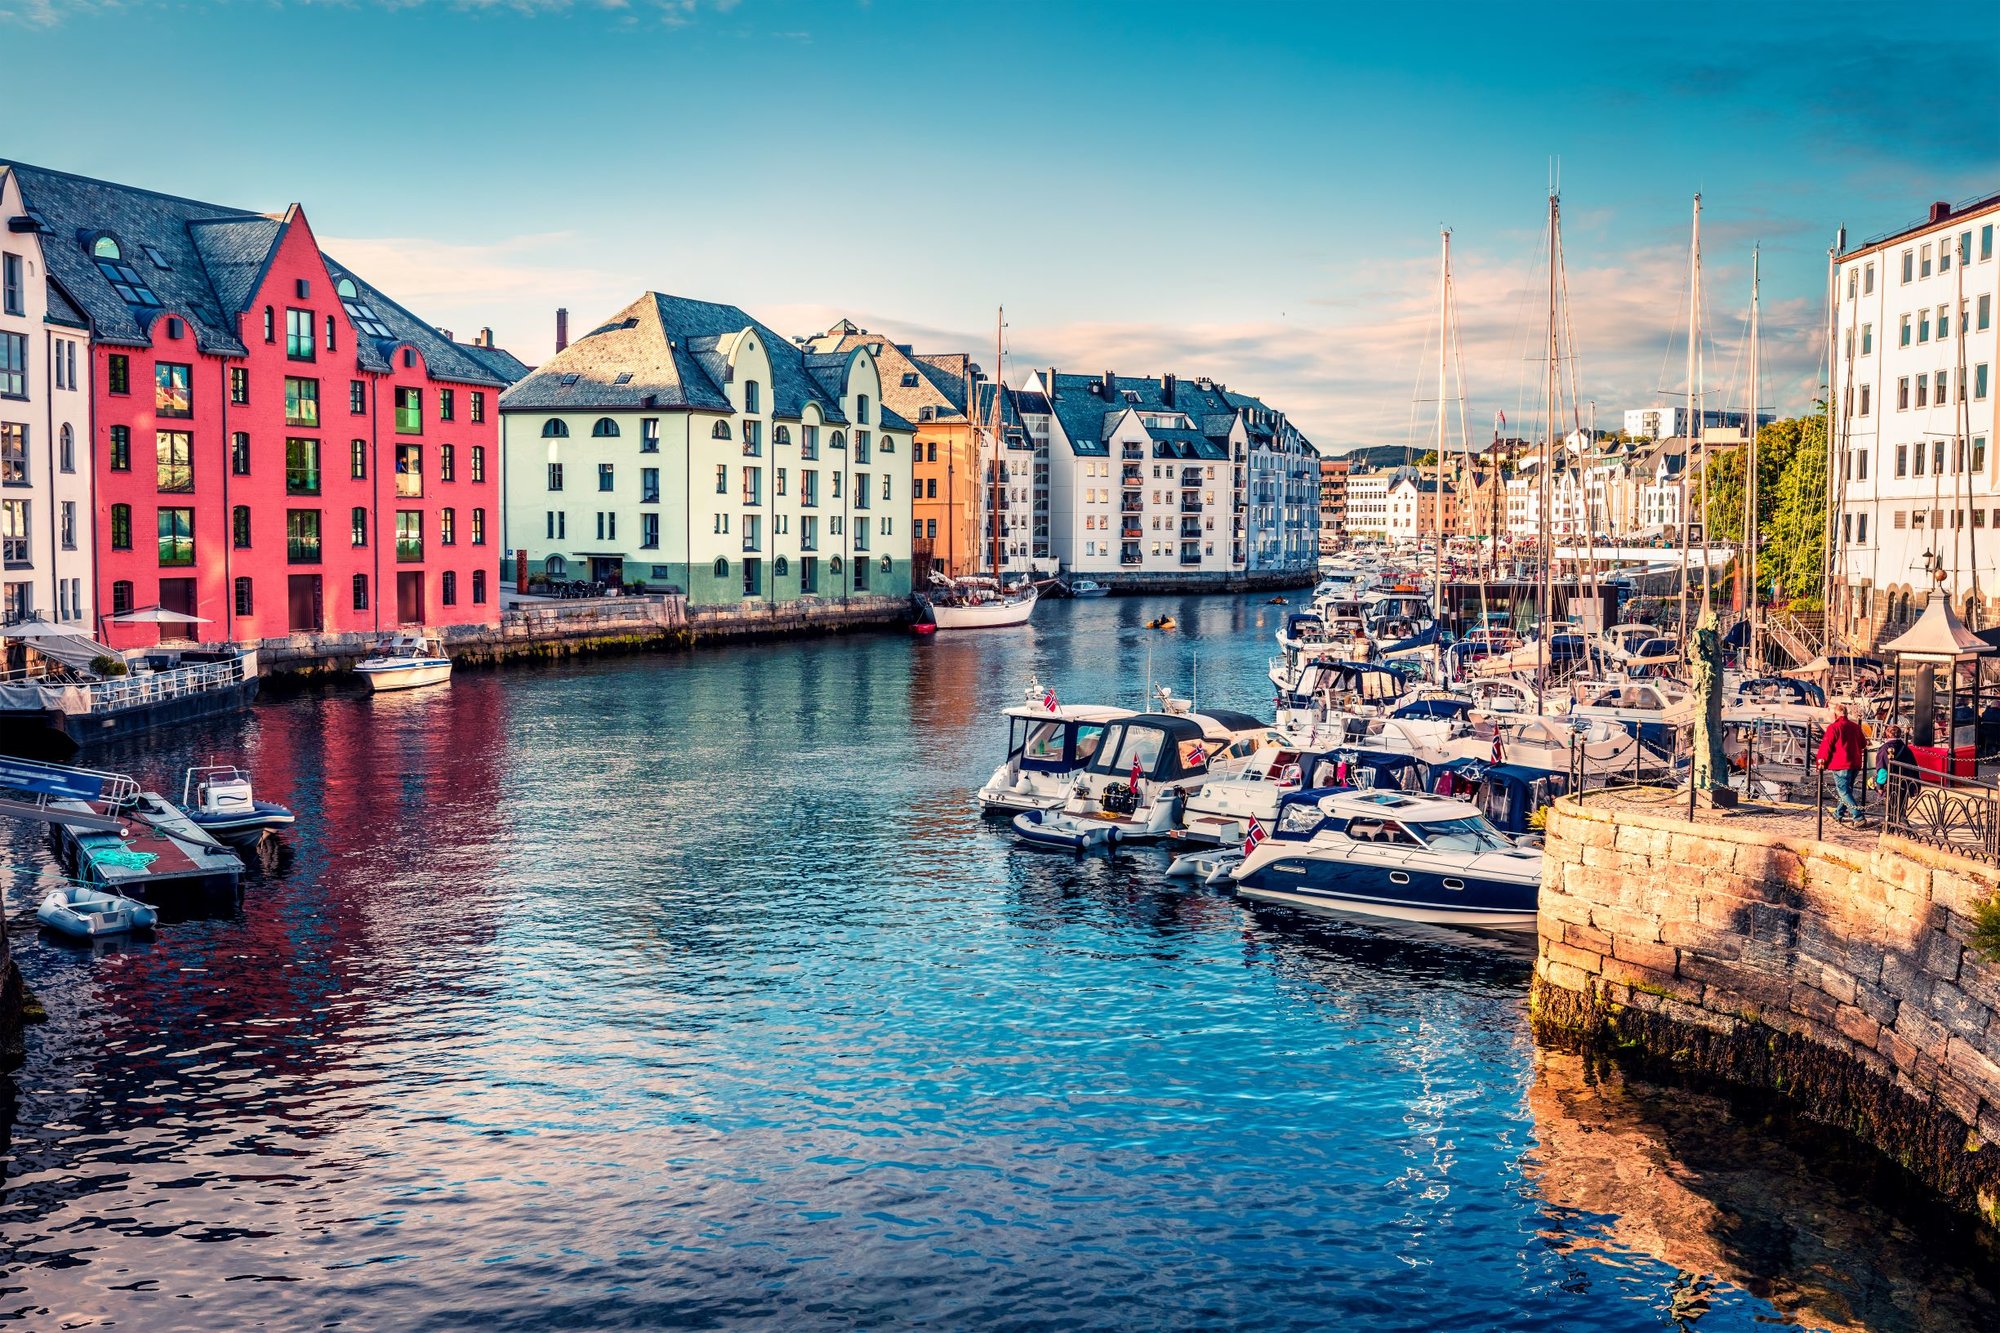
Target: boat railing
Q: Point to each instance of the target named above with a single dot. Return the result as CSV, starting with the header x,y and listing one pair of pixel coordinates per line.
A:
x,y
37,784
153,687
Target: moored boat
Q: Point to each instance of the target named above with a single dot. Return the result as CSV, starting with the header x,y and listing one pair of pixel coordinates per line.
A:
x,y
86,913
219,799
1048,744
1087,588
1394,854
405,662
978,603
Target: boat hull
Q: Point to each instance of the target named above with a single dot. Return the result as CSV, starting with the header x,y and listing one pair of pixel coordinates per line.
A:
x,y
985,615
1327,884
1042,829
408,677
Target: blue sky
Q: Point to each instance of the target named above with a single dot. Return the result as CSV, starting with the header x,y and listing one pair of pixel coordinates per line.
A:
x,y
1249,191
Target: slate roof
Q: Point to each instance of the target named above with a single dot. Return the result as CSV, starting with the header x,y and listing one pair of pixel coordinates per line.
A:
x,y
501,363
64,311
1080,403
670,348
211,258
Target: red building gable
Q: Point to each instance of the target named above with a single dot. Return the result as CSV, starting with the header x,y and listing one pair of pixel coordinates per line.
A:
x,y
279,448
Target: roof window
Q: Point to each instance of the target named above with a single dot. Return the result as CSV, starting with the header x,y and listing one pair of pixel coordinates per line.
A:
x,y
624,377
159,260
360,311
570,379
124,279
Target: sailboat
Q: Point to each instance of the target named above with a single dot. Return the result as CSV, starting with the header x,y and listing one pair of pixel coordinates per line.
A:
x,y
977,601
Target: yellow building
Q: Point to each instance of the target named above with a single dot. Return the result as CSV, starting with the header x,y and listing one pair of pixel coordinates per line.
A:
x,y
930,392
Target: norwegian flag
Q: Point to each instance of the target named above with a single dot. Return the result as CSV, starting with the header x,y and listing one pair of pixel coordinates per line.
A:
x,y
1049,701
1253,835
1499,756
1135,774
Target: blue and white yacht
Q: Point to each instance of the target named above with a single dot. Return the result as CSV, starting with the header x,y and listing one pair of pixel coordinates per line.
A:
x,y
1048,745
1393,854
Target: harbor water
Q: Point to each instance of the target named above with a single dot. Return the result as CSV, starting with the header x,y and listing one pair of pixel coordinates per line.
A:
x,y
691,991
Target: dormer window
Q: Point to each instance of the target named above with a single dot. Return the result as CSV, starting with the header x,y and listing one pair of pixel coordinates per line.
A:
x,y
359,310
124,279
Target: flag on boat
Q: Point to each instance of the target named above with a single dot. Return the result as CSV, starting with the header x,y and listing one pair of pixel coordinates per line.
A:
x,y
1253,835
1135,773
1049,701
1499,756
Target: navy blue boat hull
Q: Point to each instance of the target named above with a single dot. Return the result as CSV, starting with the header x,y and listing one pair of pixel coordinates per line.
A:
x,y
1368,889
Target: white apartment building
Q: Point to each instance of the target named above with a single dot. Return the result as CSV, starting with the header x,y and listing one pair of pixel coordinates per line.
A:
x,y
1658,423
1159,476
1368,503
45,432
1915,345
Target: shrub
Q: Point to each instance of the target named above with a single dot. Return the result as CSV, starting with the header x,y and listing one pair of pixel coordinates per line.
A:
x,y
107,666
1985,939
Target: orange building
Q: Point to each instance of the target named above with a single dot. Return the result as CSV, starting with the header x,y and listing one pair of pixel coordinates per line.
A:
x,y
930,392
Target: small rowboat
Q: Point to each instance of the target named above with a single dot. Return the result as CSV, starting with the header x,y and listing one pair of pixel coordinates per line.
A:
x,y
87,914
1164,622
1046,828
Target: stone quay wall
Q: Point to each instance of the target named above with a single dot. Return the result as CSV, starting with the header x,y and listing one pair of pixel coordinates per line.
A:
x,y
1835,976
554,628
1139,585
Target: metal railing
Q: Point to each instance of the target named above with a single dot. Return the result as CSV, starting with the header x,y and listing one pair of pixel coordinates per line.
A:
x,y
159,686
1955,814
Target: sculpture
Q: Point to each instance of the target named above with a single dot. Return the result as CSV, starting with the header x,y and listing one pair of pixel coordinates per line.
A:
x,y
1709,770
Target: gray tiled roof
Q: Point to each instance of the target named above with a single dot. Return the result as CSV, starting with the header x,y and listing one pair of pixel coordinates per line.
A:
x,y
501,363
64,311
669,347
211,257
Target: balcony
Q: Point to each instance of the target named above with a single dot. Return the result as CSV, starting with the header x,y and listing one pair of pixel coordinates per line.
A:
x,y
1133,451
1131,534
1191,476
1131,506
1190,557
1134,475
1129,555
1191,506
1190,529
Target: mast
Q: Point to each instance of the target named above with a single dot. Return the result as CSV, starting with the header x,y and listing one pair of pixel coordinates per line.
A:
x,y
994,491
1437,503
1545,659
1748,568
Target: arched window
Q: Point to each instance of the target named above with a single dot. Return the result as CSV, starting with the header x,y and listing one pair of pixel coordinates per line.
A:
x,y
861,410
721,567
346,290
721,431
839,440
781,435
838,565
887,564
783,567
555,567
753,396
105,248
555,429
604,429
67,457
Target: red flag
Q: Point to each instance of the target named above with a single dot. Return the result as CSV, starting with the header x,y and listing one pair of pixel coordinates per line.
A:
x,y
1253,835
1049,701
1499,757
1135,773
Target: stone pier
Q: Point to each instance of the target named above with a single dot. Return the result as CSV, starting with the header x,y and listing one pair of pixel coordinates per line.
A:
x,y
1832,974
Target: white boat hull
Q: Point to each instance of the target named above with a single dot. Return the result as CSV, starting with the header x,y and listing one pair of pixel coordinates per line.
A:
x,y
986,615
404,676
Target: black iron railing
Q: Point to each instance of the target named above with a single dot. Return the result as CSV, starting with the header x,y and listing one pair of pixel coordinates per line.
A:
x,y
1960,815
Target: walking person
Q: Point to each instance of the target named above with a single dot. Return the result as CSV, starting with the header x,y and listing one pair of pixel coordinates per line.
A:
x,y
1842,752
1893,754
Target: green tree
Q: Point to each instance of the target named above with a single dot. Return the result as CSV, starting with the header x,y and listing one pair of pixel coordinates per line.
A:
x,y
1791,506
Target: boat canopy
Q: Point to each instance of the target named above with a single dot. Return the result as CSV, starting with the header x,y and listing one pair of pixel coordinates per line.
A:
x,y
1507,794
1165,746
1449,709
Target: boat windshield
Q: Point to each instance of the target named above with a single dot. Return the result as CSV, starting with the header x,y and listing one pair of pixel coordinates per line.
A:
x,y
1134,743
1471,834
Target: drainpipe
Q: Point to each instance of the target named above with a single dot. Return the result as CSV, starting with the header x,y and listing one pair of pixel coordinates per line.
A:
x,y
375,483
228,515
49,402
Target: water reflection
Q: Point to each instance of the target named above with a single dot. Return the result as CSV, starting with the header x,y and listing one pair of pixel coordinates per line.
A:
x,y
692,990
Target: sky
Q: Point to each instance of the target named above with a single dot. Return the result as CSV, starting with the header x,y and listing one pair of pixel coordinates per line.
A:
x,y
1248,191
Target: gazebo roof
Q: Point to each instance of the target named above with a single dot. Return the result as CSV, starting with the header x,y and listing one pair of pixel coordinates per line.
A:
x,y
1938,636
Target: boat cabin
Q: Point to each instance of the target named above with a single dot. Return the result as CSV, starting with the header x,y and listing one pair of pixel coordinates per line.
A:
x,y
1060,741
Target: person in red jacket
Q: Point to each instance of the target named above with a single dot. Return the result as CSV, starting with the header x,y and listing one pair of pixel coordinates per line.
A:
x,y
1843,752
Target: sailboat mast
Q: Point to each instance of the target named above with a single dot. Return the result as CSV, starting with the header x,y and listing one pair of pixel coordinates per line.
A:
x,y
1750,533
1696,386
1545,659
1687,444
993,487
1437,504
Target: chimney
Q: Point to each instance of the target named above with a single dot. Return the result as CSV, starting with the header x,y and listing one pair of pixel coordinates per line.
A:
x,y
1940,211
446,335
1110,384
1167,390
484,338
562,328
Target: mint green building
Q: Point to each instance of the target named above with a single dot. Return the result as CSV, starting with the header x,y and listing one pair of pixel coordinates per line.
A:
x,y
682,445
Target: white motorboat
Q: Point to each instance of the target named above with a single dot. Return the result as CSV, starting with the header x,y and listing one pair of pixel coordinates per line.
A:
x,y
1048,745
86,913
1087,588
405,662
1207,865
1136,786
218,798
1394,854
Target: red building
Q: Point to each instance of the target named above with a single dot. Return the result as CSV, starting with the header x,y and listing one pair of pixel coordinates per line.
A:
x,y
277,446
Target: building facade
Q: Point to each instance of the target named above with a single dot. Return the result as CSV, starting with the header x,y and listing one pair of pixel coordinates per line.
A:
x,y
1154,477
1332,504
277,447
1916,480
1657,423
46,527
684,445
1368,503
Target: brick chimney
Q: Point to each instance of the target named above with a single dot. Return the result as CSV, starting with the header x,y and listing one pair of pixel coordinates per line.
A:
x,y
1940,211
562,328
1167,389
484,338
